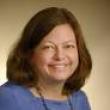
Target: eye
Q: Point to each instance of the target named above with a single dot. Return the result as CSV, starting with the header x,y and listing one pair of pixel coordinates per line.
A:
x,y
48,47
68,46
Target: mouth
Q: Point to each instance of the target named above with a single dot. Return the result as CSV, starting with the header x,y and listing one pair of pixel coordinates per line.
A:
x,y
59,66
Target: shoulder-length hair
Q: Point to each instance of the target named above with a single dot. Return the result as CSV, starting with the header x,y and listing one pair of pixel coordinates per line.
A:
x,y
19,67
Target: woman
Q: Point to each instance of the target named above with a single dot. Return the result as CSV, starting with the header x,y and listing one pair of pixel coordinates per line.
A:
x,y
49,65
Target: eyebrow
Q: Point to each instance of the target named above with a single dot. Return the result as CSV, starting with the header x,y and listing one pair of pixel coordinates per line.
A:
x,y
72,41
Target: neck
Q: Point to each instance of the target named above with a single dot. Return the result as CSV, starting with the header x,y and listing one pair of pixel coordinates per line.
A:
x,y
44,102
50,90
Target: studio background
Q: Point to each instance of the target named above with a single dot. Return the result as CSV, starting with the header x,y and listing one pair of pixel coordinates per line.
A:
x,y
94,17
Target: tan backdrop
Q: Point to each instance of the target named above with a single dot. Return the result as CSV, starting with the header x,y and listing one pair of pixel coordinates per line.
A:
x,y
94,17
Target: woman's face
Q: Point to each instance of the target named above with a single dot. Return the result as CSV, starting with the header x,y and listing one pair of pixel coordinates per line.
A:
x,y
56,57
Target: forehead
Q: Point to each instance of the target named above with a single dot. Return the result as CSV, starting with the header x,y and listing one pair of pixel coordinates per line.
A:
x,y
60,34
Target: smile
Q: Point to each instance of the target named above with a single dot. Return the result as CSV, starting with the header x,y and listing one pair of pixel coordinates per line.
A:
x,y
59,66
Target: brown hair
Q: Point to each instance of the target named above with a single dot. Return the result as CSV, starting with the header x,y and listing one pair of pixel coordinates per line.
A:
x,y
19,68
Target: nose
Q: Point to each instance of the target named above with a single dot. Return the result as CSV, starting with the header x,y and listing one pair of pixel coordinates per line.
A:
x,y
59,54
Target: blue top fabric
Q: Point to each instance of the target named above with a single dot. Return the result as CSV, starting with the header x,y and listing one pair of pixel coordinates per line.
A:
x,y
15,97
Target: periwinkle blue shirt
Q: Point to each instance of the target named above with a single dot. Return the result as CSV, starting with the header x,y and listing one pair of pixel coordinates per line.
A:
x,y
15,97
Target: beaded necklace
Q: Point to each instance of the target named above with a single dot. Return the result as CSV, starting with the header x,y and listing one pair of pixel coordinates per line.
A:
x,y
44,102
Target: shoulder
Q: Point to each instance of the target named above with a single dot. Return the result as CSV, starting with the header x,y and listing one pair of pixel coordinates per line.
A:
x,y
7,98
80,99
79,94
10,89
11,95
7,90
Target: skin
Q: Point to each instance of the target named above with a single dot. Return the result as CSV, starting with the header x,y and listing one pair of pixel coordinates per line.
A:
x,y
55,59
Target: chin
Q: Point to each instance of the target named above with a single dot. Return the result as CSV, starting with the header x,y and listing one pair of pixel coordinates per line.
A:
x,y
60,79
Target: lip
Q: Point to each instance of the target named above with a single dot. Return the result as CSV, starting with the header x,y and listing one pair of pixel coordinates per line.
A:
x,y
59,65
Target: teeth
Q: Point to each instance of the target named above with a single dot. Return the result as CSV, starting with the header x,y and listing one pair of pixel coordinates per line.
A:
x,y
59,66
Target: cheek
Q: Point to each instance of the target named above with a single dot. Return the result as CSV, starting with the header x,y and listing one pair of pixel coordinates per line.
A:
x,y
75,58
41,60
